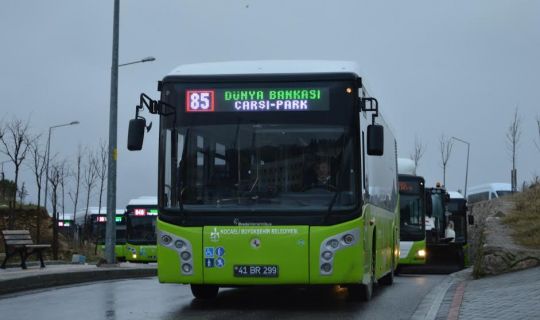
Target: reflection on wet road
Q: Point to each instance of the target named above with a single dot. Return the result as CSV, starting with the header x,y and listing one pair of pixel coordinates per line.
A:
x,y
148,299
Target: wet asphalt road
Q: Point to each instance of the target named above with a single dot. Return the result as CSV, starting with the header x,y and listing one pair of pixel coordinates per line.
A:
x,y
147,299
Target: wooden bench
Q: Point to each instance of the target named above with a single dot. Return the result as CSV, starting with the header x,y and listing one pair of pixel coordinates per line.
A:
x,y
20,242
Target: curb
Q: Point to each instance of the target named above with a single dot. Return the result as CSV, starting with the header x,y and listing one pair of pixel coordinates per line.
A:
x,y
444,300
429,307
60,279
453,313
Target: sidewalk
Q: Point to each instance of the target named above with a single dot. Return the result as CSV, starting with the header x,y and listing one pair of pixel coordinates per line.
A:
x,y
513,295
16,279
508,296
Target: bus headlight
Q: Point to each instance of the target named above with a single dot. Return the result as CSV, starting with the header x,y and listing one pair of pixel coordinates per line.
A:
x,y
182,248
348,239
327,255
421,253
185,255
186,268
326,267
134,256
166,239
332,244
179,244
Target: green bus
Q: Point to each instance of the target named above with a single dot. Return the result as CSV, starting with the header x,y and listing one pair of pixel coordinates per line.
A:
x,y
272,173
141,215
100,227
412,232
92,223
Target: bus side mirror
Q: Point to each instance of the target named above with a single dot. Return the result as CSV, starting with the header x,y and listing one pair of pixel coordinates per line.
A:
x,y
136,134
470,219
375,140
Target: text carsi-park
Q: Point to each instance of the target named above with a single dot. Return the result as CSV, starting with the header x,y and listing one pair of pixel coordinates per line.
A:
x,y
257,100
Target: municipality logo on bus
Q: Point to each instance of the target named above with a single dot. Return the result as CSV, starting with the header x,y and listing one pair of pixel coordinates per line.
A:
x,y
214,235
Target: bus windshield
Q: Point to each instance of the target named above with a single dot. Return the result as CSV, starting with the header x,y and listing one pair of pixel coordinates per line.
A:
x,y
260,166
458,208
141,229
411,218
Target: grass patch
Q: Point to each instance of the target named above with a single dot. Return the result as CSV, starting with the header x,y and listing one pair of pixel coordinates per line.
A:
x,y
525,218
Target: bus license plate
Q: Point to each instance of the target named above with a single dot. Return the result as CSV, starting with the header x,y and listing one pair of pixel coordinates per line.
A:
x,y
256,271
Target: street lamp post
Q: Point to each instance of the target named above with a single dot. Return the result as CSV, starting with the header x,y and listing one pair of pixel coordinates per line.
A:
x,y
48,152
110,232
467,165
147,59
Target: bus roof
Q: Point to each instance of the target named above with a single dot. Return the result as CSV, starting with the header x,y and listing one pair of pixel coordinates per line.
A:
x,y
406,166
95,210
455,195
246,67
144,200
266,67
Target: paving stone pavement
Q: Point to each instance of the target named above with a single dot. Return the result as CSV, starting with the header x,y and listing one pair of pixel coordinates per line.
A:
x,y
508,296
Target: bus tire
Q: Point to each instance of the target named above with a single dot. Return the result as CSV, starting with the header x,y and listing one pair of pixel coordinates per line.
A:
x,y
364,292
204,292
388,279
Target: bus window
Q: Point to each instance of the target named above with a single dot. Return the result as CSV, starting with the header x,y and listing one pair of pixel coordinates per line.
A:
x,y
502,193
272,165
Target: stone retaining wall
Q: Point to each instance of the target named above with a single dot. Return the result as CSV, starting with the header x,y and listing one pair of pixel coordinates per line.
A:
x,y
491,247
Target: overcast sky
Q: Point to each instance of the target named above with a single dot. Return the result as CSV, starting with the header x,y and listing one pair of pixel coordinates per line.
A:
x,y
458,68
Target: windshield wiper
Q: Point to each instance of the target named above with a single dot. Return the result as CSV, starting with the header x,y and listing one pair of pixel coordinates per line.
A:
x,y
183,168
339,186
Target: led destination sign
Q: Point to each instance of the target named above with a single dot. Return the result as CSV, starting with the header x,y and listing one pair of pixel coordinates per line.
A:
x,y
409,187
257,100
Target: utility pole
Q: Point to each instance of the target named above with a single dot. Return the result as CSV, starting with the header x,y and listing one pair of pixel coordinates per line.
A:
x,y
110,232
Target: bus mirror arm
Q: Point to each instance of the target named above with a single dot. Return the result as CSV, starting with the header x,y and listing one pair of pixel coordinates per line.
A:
x,y
138,125
370,105
153,106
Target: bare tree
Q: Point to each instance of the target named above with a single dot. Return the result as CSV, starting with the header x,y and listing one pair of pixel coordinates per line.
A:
x,y
446,145
513,136
15,142
74,196
101,166
38,168
23,192
418,153
538,127
54,181
90,175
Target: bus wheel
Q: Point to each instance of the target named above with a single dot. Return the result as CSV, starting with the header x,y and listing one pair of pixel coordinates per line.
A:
x,y
204,292
364,292
388,279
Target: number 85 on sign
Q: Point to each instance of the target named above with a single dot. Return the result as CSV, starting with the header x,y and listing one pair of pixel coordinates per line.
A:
x,y
200,100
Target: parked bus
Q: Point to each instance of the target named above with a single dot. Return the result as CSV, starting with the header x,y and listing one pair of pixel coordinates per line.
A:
x,y
446,230
93,225
457,206
488,191
412,232
273,173
141,215
412,198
